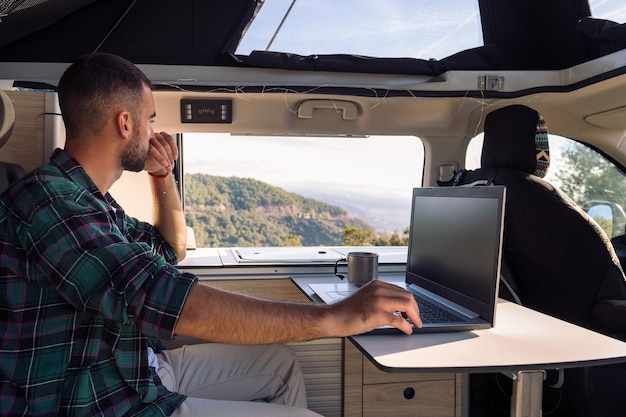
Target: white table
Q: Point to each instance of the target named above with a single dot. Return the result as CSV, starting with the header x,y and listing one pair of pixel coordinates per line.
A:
x,y
523,343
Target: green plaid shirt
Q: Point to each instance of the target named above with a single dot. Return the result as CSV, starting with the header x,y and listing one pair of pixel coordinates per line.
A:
x,y
82,288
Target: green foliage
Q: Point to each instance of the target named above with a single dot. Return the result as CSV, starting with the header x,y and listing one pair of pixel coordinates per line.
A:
x,y
293,240
590,179
393,239
356,236
586,175
232,211
605,224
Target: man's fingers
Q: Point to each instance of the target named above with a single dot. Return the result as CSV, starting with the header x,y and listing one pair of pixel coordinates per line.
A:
x,y
158,156
163,150
378,303
168,144
402,301
400,322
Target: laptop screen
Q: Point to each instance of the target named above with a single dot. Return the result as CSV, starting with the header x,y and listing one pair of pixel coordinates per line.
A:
x,y
455,243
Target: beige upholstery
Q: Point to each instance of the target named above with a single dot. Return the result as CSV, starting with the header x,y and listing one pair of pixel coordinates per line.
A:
x,y
8,172
7,117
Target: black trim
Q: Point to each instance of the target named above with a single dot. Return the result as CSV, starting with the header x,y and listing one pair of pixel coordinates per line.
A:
x,y
387,93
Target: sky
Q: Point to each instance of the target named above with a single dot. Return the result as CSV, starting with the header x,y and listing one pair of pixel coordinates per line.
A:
x,y
330,26
413,28
614,10
390,164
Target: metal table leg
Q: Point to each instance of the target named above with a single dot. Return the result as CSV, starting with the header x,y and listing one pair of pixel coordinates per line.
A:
x,y
527,393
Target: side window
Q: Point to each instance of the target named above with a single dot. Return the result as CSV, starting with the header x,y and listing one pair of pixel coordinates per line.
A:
x,y
249,191
594,182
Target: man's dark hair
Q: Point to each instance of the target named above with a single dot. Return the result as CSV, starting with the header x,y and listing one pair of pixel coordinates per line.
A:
x,y
96,85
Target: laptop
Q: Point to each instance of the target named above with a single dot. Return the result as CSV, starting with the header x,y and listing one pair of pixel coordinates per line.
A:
x,y
454,257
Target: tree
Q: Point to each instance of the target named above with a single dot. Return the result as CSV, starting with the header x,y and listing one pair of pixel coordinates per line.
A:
x,y
292,240
355,236
586,175
591,179
392,240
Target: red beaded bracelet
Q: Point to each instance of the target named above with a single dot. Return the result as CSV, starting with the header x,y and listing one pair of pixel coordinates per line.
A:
x,y
161,176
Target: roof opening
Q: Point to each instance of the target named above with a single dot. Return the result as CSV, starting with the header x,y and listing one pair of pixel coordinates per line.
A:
x,y
425,29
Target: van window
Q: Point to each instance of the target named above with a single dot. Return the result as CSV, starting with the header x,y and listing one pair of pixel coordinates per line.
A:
x,y
594,182
299,191
614,10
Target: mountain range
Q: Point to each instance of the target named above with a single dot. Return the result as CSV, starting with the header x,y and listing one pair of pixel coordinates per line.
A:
x,y
234,211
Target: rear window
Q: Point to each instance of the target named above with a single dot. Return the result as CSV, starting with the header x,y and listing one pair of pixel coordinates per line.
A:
x,y
299,191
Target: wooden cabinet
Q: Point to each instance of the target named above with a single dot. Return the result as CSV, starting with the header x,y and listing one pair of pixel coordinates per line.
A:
x,y
282,289
370,392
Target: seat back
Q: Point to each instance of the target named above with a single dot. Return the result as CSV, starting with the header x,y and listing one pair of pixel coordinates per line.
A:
x,y
8,172
556,259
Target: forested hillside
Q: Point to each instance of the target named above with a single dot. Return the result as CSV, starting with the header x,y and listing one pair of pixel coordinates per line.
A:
x,y
232,211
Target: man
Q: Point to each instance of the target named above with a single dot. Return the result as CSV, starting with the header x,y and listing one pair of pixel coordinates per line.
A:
x,y
86,290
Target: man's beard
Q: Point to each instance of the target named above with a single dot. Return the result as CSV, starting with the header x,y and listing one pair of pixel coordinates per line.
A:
x,y
134,156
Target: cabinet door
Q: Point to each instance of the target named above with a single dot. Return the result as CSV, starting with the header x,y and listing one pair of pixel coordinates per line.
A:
x,y
370,392
418,398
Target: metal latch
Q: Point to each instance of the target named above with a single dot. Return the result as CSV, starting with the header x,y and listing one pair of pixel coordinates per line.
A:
x,y
491,82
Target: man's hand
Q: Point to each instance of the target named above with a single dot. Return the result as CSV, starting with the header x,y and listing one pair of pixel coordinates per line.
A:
x,y
375,304
162,154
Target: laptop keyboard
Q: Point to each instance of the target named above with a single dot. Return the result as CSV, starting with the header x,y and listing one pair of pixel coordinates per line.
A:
x,y
431,313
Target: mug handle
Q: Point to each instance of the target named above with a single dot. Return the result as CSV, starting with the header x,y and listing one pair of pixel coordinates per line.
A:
x,y
341,276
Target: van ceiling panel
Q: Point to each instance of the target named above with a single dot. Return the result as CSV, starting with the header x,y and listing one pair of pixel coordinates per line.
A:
x,y
193,32
21,18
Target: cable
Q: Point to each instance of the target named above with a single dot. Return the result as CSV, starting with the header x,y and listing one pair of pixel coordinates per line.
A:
x,y
115,25
280,25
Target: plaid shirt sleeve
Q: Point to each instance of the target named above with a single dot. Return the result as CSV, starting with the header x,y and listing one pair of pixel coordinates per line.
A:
x,y
84,252
83,286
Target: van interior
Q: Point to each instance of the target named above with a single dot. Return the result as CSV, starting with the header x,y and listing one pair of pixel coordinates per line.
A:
x,y
304,126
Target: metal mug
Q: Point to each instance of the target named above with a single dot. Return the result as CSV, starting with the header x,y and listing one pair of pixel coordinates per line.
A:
x,y
362,267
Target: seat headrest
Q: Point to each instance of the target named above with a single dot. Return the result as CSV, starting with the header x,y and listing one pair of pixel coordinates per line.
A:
x,y
7,117
516,137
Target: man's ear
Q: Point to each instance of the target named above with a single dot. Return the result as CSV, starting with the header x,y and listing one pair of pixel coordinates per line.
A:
x,y
124,124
